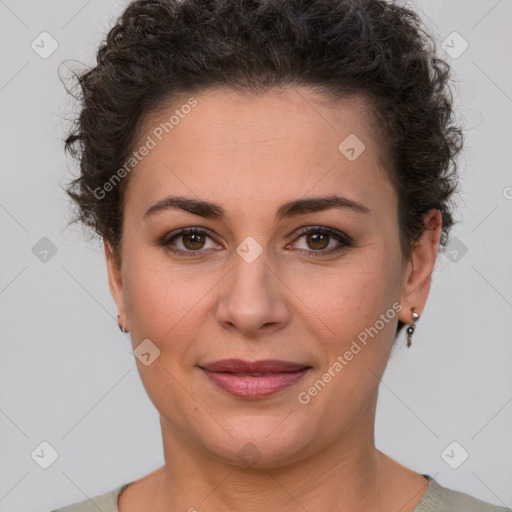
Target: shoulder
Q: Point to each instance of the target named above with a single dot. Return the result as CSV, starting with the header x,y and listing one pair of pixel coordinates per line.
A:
x,y
441,499
105,502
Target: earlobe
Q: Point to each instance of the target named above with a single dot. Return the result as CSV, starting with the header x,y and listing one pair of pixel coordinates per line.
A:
x,y
115,283
418,275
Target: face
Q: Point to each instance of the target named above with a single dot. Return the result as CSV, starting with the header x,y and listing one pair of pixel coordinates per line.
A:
x,y
291,253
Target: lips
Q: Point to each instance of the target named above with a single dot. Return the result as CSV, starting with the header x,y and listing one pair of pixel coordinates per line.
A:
x,y
254,380
245,367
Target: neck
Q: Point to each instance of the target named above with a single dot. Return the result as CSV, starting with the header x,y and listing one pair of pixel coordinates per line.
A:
x,y
343,476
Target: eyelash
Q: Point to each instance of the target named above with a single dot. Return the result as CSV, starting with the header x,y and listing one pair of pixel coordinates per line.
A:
x,y
342,238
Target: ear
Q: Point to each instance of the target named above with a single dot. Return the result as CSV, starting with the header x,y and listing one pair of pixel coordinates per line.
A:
x,y
419,268
115,282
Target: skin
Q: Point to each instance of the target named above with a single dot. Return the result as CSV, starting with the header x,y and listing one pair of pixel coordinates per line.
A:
x,y
250,154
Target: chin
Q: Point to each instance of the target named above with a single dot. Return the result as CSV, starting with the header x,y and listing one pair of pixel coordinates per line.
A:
x,y
259,442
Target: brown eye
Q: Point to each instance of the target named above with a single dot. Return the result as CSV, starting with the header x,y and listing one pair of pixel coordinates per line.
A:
x,y
323,241
189,242
193,241
317,241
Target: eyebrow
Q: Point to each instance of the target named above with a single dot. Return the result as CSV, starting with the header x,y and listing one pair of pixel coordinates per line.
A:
x,y
211,210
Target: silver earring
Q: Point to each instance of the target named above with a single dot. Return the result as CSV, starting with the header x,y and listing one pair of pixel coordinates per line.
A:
x,y
120,326
410,330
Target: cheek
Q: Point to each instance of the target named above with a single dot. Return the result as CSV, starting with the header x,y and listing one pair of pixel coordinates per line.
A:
x,y
162,301
351,297
355,306
164,306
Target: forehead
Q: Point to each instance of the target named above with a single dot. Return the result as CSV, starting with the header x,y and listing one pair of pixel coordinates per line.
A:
x,y
236,147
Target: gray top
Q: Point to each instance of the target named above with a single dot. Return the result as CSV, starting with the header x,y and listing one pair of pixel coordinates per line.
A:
x,y
436,499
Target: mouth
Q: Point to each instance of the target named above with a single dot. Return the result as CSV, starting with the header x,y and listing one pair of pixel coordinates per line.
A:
x,y
254,380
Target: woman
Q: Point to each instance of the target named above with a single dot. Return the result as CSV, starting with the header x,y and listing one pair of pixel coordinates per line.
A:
x,y
272,181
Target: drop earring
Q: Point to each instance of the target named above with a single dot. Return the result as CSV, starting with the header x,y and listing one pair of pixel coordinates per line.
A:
x,y
410,330
120,326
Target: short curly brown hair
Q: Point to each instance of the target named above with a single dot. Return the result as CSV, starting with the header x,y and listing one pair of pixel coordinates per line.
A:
x,y
159,49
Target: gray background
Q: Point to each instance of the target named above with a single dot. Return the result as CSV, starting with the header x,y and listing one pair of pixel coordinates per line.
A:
x,y
67,375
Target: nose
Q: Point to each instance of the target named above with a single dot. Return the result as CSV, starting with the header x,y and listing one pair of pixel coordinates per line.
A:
x,y
253,298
